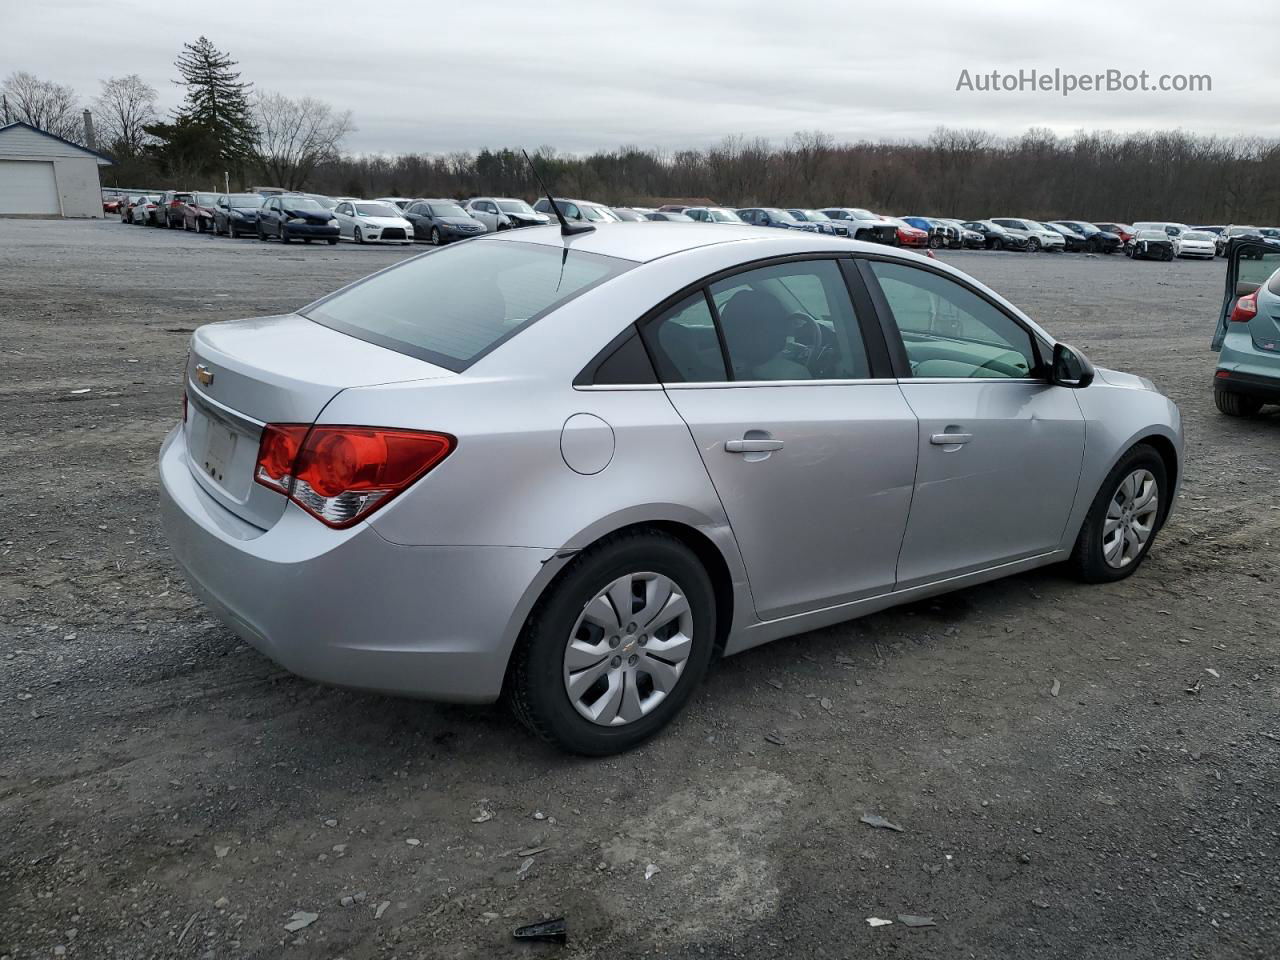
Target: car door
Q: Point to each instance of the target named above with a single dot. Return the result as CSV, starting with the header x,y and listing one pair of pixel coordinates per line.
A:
x,y
415,214
1000,447
1250,263
345,214
270,216
810,445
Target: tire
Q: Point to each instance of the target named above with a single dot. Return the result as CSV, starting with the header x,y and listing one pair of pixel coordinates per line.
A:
x,y
262,235
1088,561
937,243
536,683
333,241
284,234
436,239
1235,404
1033,245
359,237
998,244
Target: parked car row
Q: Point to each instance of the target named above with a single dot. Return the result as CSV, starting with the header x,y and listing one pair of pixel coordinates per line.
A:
x,y
269,212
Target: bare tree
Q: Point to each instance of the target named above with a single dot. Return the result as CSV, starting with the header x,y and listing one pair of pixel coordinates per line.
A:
x,y
42,103
295,136
124,108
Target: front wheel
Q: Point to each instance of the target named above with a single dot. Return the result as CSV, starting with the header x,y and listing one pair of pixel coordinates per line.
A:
x,y
1033,245
936,243
1124,518
1235,404
284,234
614,649
436,239
262,234
359,236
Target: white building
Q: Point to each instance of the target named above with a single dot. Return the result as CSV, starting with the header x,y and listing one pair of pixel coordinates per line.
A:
x,y
45,176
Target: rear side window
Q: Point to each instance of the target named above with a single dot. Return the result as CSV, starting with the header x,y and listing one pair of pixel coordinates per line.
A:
x,y
453,306
684,343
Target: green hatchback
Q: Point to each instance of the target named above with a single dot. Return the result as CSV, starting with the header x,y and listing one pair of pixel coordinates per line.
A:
x,y
1247,337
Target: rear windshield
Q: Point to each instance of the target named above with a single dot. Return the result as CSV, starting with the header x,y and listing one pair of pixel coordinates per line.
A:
x,y
454,305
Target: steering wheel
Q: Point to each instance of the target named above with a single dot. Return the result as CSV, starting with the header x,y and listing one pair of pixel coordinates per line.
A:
x,y
806,349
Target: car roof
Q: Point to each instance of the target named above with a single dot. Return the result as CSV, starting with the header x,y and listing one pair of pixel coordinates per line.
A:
x,y
650,241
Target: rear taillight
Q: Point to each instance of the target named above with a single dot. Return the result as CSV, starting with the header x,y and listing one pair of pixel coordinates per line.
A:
x,y
1246,308
342,474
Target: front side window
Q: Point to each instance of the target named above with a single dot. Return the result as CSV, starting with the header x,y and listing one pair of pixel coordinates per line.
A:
x,y
790,321
949,331
457,304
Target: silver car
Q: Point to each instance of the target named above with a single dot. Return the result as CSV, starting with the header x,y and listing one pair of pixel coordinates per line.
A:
x,y
572,471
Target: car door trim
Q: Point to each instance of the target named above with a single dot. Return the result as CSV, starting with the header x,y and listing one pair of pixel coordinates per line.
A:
x,y
733,384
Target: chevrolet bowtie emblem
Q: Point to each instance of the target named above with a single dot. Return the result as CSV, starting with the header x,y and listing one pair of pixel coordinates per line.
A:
x,y
204,374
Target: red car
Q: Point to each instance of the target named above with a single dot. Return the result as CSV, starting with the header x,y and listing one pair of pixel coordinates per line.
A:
x,y
197,212
909,236
172,203
1123,230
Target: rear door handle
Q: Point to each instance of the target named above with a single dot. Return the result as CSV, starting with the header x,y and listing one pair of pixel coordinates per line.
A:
x,y
947,439
752,446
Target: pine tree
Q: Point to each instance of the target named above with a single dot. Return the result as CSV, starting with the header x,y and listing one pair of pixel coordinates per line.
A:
x,y
217,101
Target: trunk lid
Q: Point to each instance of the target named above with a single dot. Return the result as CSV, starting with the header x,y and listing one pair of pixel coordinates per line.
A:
x,y
246,373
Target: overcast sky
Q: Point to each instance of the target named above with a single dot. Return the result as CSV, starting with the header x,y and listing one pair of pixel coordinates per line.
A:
x,y
428,76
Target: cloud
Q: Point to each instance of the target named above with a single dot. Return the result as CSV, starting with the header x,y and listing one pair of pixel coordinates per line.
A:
x,y
580,75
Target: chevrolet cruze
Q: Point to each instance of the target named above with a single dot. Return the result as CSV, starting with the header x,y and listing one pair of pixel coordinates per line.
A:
x,y
572,470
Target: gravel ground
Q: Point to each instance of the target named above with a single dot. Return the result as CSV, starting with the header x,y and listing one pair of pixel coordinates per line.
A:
x,y
167,792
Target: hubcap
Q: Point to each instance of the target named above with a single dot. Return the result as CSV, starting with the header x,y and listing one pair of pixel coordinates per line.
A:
x,y
628,649
1131,518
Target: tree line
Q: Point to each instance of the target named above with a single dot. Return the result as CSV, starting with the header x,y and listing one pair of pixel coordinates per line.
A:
x,y
226,126
968,173
223,129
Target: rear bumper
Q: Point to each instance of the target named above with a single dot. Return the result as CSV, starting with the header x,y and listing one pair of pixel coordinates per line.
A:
x,y
348,607
1243,368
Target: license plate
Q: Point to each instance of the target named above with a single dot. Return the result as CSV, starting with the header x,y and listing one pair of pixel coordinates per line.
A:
x,y
218,450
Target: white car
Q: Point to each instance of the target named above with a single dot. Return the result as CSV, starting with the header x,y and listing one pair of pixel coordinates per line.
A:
x,y
372,221
1197,243
1039,237
1175,230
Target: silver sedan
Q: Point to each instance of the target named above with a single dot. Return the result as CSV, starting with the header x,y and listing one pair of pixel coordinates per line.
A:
x,y
571,471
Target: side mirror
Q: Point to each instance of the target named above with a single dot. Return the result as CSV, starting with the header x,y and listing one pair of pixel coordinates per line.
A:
x,y
1070,368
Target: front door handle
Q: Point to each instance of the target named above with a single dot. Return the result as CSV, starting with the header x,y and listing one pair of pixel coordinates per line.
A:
x,y
752,446
947,439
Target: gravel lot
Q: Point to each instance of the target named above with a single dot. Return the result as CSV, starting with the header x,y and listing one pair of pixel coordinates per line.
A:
x,y
167,792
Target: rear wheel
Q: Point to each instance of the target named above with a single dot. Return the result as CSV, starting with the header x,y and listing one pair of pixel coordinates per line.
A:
x,y
1235,404
333,241
613,650
1124,518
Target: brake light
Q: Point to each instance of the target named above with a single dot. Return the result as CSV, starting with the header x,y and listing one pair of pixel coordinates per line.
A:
x,y
340,475
1246,308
